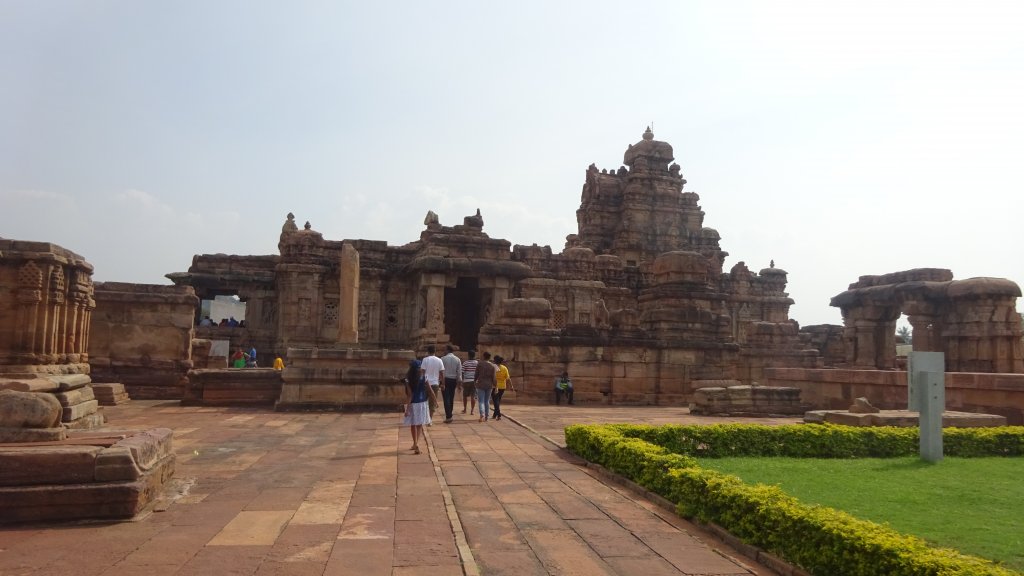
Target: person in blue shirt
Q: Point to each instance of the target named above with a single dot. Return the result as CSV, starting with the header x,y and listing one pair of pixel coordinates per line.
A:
x,y
417,408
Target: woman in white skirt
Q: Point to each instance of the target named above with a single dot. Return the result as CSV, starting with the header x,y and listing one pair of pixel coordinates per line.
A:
x,y
417,407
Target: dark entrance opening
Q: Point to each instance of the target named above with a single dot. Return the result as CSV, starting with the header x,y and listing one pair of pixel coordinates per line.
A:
x,y
462,312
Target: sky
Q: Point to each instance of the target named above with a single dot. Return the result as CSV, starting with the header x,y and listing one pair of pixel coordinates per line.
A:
x,y
838,139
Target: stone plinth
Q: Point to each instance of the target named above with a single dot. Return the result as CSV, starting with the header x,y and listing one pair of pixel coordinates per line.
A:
x,y
337,379
836,389
110,394
91,476
902,418
747,401
80,409
142,337
233,387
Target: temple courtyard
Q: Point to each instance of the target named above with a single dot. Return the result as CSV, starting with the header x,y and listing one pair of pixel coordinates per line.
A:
x,y
304,493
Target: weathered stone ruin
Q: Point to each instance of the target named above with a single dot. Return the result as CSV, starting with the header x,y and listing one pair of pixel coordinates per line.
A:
x,y
973,322
46,304
101,475
734,399
141,338
52,467
637,306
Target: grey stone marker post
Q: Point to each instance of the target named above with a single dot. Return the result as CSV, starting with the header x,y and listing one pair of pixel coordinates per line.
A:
x,y
926,375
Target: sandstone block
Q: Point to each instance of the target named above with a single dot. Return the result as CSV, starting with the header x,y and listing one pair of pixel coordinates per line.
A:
x,y
66,382
12,435
77,396
47,465
87,422
29,410
77,411
116,463
28,385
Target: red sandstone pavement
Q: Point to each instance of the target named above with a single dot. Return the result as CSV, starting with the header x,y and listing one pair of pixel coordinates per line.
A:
x,y
264,493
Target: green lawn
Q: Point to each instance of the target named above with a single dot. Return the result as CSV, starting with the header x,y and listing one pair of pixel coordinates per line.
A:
x,y
975,505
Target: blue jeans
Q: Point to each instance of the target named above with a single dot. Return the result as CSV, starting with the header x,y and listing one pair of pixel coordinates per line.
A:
x,y
483,397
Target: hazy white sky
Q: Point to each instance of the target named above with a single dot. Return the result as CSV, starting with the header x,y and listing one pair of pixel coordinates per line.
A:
x,y
837,138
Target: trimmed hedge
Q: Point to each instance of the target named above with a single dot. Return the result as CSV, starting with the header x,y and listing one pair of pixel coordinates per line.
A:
x,y
823,441
822,540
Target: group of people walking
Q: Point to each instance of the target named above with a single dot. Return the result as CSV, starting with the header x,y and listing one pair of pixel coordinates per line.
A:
x,y
484,381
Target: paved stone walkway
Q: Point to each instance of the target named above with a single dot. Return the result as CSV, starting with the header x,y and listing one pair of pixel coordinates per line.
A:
x,y
265,493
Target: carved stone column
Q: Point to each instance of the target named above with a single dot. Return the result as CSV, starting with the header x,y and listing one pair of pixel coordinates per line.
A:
x,y
927,330
30,296
348,313
870,336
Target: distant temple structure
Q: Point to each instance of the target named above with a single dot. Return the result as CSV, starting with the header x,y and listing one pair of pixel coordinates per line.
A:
x,y
637,307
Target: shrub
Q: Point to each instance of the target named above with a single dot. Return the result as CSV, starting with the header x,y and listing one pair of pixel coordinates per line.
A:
x,y
820,539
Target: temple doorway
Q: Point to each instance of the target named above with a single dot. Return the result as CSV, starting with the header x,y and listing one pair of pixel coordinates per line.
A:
x,y
462,312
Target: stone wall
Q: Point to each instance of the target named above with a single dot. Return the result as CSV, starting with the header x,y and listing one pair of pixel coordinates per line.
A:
x,y
142,338
836,389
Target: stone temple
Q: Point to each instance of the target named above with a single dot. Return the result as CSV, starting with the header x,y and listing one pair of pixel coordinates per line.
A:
x,y
637,306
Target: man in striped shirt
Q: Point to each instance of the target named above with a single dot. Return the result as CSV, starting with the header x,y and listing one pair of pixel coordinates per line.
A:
x,y
468,376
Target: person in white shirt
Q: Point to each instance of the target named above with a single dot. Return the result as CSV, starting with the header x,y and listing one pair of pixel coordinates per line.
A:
x,y
432,370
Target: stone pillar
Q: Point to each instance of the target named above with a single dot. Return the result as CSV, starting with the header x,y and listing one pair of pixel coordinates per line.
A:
x,y
983,331
870,336
348,308
30,296
927,330
435,309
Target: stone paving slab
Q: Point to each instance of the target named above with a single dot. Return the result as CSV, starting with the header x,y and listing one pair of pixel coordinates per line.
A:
x,y
264,493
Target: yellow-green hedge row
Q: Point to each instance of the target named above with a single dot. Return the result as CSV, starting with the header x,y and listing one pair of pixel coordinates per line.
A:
x,y
823,441
822,540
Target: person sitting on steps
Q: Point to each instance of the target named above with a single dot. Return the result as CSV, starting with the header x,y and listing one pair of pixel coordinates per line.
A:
x,y
563,385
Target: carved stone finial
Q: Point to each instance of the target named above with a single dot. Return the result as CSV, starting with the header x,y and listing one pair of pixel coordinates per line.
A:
x,y
475,221
307,226
648,134
289,224
772,263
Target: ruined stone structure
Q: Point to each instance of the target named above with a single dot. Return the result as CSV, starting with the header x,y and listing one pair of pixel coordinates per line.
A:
x,y
637,307
46,305
99,475
731,399
141,337
974,322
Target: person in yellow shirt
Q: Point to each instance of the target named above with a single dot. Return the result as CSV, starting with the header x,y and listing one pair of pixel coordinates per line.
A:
x,y
278,363
502,381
